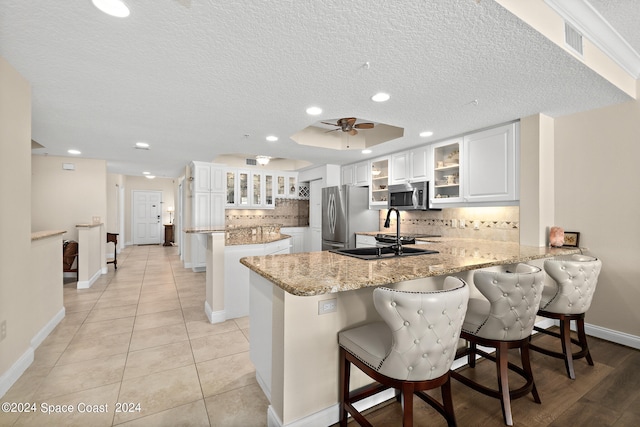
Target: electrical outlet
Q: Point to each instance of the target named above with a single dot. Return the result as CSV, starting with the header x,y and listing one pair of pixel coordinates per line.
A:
x,y
462,223
327,306
3,330
454,223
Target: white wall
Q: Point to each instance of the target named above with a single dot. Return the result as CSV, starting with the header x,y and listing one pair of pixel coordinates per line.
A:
x,y
61,199
596,181
15,218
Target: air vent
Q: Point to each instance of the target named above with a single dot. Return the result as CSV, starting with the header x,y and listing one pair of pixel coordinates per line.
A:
x,y
573,39
251,162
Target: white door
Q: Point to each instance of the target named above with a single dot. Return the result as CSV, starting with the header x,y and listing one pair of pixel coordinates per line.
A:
x,y
147,217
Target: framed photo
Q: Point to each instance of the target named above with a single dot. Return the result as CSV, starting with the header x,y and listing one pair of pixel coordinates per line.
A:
x,y
571,239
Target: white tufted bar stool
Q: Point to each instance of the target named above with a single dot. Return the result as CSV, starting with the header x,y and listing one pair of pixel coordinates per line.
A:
x,y
504,320
567,298
411,350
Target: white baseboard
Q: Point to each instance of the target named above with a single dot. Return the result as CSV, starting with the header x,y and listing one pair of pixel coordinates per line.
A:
x,y
9,378
623,338
86,284
214,316
47,329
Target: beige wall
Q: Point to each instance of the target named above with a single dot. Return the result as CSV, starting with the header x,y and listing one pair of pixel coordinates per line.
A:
x,y
61,199
168,187
597,176
15,215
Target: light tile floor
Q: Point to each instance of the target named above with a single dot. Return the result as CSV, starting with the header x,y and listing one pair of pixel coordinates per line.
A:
x,y
139,338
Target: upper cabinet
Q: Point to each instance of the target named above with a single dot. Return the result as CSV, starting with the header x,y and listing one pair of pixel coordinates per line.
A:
x,y
490,163
400,168
208,177
356,174
256,188
378,190
446,172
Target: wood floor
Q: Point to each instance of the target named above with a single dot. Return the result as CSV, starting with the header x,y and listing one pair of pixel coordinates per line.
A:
x,y
607,394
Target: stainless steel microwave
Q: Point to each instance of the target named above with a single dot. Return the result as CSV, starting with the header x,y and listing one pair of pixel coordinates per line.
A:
x,y
409,196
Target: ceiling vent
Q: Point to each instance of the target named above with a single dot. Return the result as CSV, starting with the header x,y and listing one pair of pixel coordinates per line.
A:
x,y
251,162
573,39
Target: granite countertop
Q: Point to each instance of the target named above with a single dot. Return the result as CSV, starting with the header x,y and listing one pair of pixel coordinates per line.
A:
x,y
234,238
316,273
39,235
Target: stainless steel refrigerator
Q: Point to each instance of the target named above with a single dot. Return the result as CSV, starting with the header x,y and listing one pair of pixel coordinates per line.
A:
x,y
345,211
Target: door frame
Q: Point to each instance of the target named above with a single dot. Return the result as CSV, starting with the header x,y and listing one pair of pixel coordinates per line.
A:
x,y
133,215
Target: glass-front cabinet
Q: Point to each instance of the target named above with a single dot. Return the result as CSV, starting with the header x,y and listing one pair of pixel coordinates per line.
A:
x,y
269,201
231,188
446,172
259,188
243,190
379,183
281,186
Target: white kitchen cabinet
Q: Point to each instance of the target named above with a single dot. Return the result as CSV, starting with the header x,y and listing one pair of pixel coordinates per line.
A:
x,y
378,189
365,241
490,165
286,184
420,164
348,175
362,174
236,275
297,238
251,189
447,172
400,168
208,200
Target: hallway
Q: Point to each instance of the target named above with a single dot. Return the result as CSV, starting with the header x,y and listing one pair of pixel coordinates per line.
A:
x,y
138,341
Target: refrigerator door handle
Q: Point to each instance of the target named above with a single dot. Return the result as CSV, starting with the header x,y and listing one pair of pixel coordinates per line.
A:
x,y
331,212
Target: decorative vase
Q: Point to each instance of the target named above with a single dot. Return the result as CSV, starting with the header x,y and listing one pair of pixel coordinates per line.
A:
x,y
556,237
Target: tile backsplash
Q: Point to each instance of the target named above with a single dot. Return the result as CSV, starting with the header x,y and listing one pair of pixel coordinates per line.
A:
x,y
287,213
489,223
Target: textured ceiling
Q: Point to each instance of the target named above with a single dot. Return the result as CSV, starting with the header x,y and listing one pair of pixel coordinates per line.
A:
x,y
195,81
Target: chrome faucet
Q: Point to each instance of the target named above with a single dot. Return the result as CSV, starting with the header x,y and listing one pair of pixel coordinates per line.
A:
x,y
397,248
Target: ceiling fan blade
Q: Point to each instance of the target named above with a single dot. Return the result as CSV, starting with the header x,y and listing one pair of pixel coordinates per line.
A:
x,y
332,124
350,120
353,132
332,130
364,126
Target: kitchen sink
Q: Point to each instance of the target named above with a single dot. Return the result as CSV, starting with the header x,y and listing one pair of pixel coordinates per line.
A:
x,y
381,252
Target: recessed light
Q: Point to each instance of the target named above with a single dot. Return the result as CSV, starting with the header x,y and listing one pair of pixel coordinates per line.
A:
x,y
142,144
272,138
76,152
150,176
380,97
426,134
314,111
146,173
366,151
115,8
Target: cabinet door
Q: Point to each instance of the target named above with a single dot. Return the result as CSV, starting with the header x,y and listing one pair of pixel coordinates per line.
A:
x,y
217,210
348,175
419,160
269,200
231,188
378,190
243,188
399,168
489,162
218,182
292,185
361,174
281,186
256,190
201,209
201,174
447,172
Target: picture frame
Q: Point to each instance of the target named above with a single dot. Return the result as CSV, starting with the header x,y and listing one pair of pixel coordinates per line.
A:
x,y
571,239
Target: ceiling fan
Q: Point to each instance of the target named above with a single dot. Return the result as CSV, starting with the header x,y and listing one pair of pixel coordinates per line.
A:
x,y
348,124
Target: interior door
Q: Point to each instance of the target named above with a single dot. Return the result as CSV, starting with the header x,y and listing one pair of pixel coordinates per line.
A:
x,y
147,217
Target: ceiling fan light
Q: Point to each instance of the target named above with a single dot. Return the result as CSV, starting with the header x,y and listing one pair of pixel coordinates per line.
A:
x,y
380,97
115,8
263,160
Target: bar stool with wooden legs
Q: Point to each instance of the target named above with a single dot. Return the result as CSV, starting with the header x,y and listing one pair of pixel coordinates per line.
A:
x,y
504,320
567,298
411,350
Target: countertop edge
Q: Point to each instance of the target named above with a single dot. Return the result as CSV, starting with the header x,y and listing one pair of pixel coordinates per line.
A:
x,y
39,235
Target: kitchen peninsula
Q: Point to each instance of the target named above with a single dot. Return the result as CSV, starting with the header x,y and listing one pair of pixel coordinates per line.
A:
x,y
295,349
227,282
